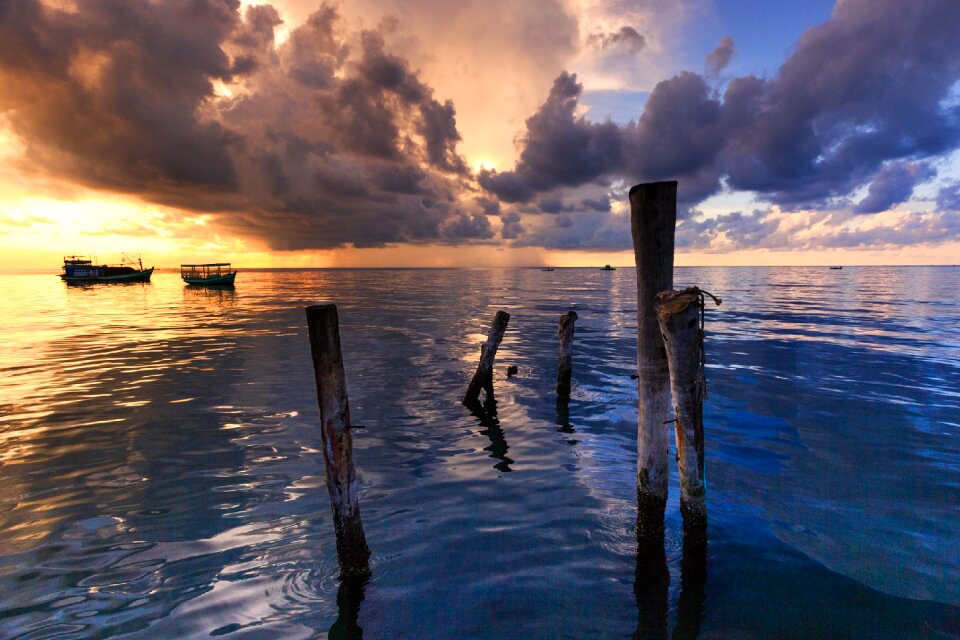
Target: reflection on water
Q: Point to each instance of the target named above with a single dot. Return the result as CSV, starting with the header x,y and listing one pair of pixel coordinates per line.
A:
x,y
486,415
161,466
651,587
349,597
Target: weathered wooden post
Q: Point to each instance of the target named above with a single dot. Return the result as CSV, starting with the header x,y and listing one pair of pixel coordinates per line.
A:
x,y
653,215
565,364
352,551
483,377
679,315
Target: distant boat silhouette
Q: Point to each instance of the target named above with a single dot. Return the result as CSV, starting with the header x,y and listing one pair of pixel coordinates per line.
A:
x,y
836,267
607,268
213,274
547,269
81,270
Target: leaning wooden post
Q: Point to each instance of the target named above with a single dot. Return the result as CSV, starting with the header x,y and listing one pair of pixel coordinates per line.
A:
x,y
483,377
679,314
352,551
653,215
565,364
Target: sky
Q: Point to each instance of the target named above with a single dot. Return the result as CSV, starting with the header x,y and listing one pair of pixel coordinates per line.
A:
x,y
497,133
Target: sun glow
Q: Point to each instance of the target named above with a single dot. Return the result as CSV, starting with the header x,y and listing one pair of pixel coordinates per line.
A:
x,y
484,164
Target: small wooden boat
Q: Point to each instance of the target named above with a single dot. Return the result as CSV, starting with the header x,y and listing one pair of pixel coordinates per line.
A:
x,y
607,268
81,270
216,274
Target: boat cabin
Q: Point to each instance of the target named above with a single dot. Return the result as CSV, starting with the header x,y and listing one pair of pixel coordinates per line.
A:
x,y
80,267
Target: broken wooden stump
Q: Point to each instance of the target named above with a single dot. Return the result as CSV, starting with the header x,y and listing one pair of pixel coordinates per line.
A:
x,y
352,551
483,377
679,314
653,214
565,364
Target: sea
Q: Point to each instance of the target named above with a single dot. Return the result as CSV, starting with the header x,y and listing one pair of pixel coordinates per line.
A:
x,y
161,467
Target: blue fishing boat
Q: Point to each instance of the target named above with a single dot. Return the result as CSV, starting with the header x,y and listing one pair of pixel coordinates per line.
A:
x,y
216,274
82,270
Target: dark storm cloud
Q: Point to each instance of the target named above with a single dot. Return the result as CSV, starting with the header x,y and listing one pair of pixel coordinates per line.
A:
x,y
626,38
472,226
553,205
489,207
893,185
596,204
512,229
559,148
861,99
507,186
110,94
719,58
329,138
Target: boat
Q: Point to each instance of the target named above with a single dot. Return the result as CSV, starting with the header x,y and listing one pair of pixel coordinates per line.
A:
x,y
547,269
836,267
607,267
82,270
215,274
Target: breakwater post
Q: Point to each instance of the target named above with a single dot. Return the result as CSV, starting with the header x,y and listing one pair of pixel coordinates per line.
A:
x,y
324,328
483,377
680,316
653,216
565,364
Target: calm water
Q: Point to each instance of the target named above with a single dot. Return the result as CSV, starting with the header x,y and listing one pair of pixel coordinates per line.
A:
x,y
161,474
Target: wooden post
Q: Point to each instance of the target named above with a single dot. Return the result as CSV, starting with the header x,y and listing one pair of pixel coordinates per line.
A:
x,y
483,377
352,551
653,214
678,313
565,364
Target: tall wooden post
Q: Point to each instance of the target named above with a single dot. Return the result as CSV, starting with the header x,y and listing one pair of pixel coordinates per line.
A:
x,y
565,364
352,551
483,377
678,314
653,215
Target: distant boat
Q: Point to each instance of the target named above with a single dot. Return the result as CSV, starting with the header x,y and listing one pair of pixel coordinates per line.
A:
x,y
607,268
81,270
836,267
214,274
547,269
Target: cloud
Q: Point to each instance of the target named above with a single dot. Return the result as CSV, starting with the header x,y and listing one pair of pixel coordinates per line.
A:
x,y
892,185
559,148
325,140
111,94
828,123
336,137
948,198
467,226
512,228
775,230
596,204
719,58
626,38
